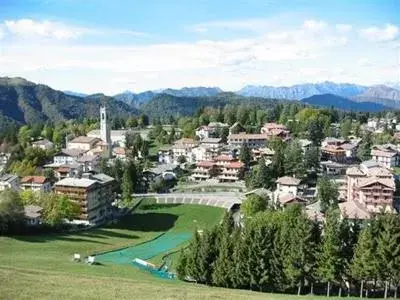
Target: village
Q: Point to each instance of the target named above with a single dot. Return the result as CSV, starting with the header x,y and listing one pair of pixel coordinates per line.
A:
x,y
216,164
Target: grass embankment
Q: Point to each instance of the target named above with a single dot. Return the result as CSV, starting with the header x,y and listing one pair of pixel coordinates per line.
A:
x,y
35,263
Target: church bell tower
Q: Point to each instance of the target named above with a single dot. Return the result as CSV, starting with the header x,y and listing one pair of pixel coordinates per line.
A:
x,y
105,133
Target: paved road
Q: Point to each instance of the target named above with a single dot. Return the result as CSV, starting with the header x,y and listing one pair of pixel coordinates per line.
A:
x,y
218,199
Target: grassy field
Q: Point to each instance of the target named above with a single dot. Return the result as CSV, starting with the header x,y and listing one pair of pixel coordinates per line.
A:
x,y
40,267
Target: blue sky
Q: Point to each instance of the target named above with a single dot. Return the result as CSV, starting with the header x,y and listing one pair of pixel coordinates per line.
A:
x,y
111,46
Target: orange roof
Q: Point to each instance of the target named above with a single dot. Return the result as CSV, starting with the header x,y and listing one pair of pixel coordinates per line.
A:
x,y
34,179
235,165
223,157
205,163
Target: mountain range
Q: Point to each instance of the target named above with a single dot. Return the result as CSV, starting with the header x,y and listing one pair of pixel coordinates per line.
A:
x,y
24,102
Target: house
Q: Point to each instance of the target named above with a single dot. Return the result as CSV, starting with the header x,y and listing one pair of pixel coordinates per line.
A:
x,y
386,155
93,193
288,199
83,143
202,153
8,181
89,162
253,141
33,215
36,184
182,150
204,170
353,210
67,156
117,137
204,132
288,185
275,130
231,172
339,150
68,170
164,171
43,144
371,187
165,155
212,143
333,168
333,153
119,152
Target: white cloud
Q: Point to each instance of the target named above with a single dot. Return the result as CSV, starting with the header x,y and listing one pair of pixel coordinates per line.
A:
x,y
314,51
314,25
44,29
1,33
343,28
376,34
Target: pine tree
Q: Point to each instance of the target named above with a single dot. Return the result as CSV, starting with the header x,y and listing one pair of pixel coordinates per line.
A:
x,y
224,268
245,154
294,162
388,249
364,263
127,185
329,261
207,255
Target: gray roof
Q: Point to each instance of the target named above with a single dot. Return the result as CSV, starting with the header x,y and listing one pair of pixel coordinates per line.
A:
x,y
42,142
76,182
102,178
211,141
8,177
371,164
161,168
87,158
33,211
71,152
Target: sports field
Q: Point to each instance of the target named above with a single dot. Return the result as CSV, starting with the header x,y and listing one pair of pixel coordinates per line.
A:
x,y
40,267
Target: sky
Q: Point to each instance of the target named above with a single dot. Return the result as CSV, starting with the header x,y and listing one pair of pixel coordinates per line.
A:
x,y
108,46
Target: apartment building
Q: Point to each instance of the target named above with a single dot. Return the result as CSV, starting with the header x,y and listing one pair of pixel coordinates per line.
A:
x,y
93,193
369,190
204,170
253,141
231,172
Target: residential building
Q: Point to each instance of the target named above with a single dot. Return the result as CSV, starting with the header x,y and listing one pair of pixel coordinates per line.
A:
x,y
93,193
387,155
231,172
205,131
8,181
89,162
204,170
83,143
371,187
339,150
118,137
275,130
68,170
202,153
212,143
43,144
287,185
253,141
33,215
165,155
185,150
67,156
119,152
36,184
288,199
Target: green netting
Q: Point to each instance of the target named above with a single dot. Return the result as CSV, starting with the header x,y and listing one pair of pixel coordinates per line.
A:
x,y
160,245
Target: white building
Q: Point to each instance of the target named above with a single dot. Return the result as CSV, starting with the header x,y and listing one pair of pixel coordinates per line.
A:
x,y
8,181
36,184
386,155
83,143
67,156
43,144
286,186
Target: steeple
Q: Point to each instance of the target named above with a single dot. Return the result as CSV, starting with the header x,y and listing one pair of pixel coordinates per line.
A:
x,y
105,132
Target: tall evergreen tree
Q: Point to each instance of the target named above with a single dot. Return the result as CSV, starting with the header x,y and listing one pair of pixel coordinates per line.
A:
x,y
245,154
294,162
329,262
364,263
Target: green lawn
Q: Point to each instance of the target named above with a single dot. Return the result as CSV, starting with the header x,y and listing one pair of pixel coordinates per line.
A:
x,y
40,267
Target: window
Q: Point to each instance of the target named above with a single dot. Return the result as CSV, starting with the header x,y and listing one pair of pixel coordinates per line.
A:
x,y
102,116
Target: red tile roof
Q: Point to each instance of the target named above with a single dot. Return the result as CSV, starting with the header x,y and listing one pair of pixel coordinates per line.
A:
x,y
34,179
205,163
235,165
223,157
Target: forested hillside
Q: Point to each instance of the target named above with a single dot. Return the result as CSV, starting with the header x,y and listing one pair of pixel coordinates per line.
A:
x,y
24,102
